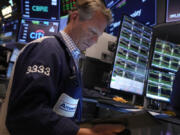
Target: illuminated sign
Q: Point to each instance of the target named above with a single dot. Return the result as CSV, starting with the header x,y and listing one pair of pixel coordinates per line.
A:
x,y
6,10
40,8
37,34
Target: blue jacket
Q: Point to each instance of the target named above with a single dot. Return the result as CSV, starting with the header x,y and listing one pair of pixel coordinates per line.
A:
x,y
175,95
43,72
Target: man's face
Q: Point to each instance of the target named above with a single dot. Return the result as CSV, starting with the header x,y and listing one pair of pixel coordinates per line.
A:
x,y
86,32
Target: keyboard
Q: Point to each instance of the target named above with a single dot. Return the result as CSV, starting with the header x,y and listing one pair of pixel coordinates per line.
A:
x,y
116,104
93,94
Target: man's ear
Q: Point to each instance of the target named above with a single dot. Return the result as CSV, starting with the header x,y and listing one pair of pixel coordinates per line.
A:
x,y
74,16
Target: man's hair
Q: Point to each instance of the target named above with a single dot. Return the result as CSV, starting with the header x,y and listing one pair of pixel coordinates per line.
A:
x,y
86,8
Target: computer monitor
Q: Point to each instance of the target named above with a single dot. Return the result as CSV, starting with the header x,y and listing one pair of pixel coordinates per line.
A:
x,y
172,11
159,85
131,58
34,29
41,9
63,22
142,10
67,5
166,55
9,31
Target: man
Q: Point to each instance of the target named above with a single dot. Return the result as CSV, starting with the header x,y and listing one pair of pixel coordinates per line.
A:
x,y
46,87
175,95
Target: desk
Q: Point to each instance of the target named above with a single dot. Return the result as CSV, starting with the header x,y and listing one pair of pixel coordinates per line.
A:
x,y
138,122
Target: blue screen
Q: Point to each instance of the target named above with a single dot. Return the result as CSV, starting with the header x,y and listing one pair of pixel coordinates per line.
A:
x,y
63,22
142,10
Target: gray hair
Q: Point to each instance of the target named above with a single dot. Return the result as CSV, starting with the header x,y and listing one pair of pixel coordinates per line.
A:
x,y
86,8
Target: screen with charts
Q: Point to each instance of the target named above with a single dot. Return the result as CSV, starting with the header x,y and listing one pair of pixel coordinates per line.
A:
x,y
142,10
173,10
45,9
166,55
131,59
33,29
9,31
159,85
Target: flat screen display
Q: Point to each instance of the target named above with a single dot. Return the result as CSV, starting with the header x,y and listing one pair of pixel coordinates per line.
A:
x,y
41,9
67,5
142,10
159,85
166,55
33,29
63,22
173,11
131,59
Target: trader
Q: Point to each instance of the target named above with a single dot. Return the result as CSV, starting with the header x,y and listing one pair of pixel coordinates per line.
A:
x,y
45,89
175,95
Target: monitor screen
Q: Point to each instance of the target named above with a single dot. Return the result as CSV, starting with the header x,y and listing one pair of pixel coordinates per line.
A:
x,y
33,29
159,85
131,59
166,55
173,11
9,31
41,9
63,22
142,10
67,5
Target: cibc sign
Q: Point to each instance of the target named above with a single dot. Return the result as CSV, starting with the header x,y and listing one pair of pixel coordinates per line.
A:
x,y
38,34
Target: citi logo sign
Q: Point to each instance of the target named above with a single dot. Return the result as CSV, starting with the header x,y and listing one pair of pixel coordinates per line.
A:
x,y
37,34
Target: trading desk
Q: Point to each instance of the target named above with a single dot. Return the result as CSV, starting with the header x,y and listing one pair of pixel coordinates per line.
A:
x,y
138,121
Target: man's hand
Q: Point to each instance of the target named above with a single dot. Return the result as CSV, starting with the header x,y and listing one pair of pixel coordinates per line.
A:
x,y
102,129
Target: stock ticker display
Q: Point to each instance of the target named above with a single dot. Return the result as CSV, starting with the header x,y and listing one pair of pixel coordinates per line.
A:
x,y
33,29
67,5
166,55
165,62
41,9
142,10
160,85
130,64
